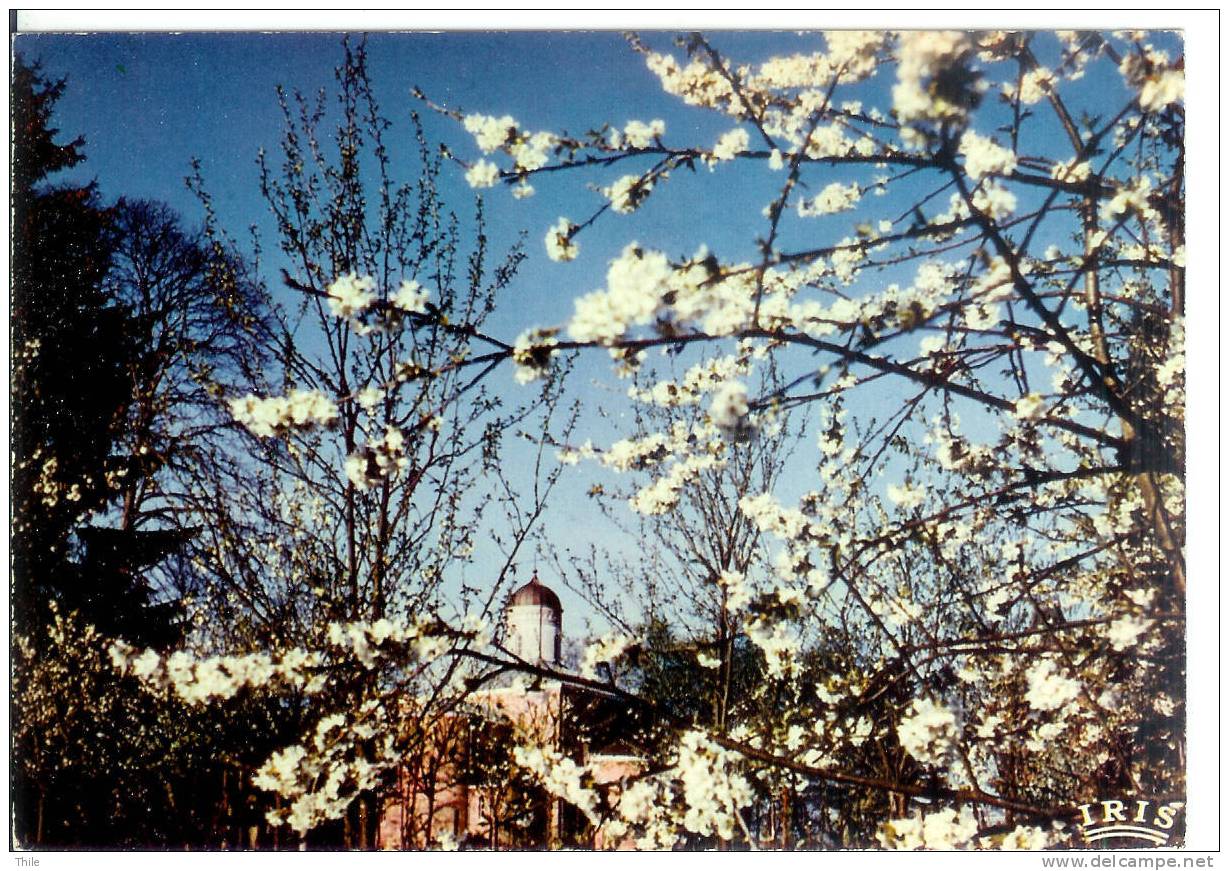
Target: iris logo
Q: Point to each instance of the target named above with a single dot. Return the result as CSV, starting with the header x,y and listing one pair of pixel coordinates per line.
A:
x,y
1131,819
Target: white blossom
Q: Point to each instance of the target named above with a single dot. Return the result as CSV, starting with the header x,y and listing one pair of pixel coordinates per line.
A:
x,y
730,409
1049,690
637,134
628,193
1031,407
946,829
411,297
923,55
1162,89
836,197
1074,170
489,132
730,145
982,156
482,174
532,151
350,295
713,791
1125,631
373,462
907,496
929,732
635,284
604,650
1035,85
532,354
560,246
276,415
1025,838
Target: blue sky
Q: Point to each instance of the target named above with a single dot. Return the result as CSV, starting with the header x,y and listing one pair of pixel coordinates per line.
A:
x,y
147,104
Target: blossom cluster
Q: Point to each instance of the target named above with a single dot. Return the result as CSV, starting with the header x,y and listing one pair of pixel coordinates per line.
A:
x,y
730,145
702,792
277,415
713,790
929,732
211,678
199,680
780,644
350,295
635,284
320,777
603,651
836,197
984,156
1159,82
560,776
628,192
560,244
924,56
372,463
637,134
1048,688
532,354
528,150
730,411
945,829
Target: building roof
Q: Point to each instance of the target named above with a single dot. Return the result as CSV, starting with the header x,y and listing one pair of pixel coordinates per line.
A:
x,y
536,593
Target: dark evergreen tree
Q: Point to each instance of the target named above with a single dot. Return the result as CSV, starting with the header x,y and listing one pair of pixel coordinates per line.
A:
x,y
70,350
121,321
122,324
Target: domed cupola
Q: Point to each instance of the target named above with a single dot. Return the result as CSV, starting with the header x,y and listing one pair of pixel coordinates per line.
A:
x,y
534,618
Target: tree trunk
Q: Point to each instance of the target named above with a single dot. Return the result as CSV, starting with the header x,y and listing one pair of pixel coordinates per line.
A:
x,y
364,815
787,816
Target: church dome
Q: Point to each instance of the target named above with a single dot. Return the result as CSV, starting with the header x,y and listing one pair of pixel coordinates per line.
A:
x,y
535,593
534,619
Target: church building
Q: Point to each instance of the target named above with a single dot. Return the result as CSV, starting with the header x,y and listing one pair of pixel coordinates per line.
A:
x,y
467,790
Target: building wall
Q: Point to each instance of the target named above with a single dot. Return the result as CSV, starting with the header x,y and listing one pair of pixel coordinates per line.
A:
x,y
433,802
